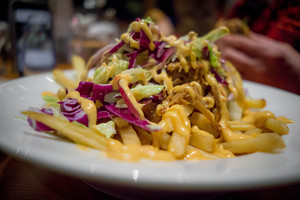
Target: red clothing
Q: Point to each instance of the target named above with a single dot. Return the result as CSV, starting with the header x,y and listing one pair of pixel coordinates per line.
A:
x,y
277,19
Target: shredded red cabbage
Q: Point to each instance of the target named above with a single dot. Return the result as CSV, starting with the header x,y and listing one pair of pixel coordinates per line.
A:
x,y
129,104
99,91
218,77
127,115
93,91
132,59
39,126
116,48
85,88
71,109
104,114
205,53
144,40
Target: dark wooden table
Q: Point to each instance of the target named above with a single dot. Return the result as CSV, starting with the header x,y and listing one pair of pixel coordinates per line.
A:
x,y
23,180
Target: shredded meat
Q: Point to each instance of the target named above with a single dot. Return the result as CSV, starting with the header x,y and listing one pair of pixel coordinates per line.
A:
x,y
150,112
184,94
179,76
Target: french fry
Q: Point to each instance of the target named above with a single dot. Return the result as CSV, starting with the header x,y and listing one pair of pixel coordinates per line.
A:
x,y
239,125
177,145
120,122
277,126
129,135
285,120
235,111
203,123
253,131
255,103
222,153
162,139
200,107
202,139
265,142
193,153
70,130
62,79
145,136
81,71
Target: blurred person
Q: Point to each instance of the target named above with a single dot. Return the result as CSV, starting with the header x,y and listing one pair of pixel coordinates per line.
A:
x,y
161,20
262,59
265,45
195,15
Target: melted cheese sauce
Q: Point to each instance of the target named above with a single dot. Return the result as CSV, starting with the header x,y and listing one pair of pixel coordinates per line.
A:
x,y
182,51
162,77
174,120
120,151
196,154
228,135
137,26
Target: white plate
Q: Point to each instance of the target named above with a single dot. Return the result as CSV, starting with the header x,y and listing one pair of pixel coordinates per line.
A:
x,y
133,179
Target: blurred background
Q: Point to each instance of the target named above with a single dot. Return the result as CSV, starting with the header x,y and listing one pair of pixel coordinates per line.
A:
x,y
39,35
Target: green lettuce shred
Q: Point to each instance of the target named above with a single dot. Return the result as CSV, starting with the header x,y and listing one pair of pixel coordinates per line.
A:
x,y
101,75
148,20
216,34
107,129
104,72
145,91
51,100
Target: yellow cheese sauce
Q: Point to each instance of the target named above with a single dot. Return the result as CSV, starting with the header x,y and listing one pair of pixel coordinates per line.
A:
x,y
197,154
228,135
182,51
162,77
137,26
119,151
174,120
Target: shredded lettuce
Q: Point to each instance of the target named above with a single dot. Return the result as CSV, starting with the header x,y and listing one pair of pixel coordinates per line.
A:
x,y
216,34
197,47
148,20
213,59
208,51
107,129
121,104
144,91
51,100
79,124
104,72
112,97
101,74
137,74
118,67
